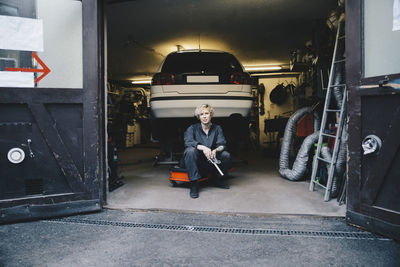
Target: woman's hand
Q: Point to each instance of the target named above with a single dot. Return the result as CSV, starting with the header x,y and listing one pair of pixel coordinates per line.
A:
x,y
214,154
206,151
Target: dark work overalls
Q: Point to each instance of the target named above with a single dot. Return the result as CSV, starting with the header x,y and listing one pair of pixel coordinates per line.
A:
x,y
195,162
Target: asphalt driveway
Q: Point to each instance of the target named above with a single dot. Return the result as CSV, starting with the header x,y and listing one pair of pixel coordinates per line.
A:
x,y
159,238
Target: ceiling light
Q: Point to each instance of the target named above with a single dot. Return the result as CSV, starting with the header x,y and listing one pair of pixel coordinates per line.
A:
x,y
261,68
141,82
275,74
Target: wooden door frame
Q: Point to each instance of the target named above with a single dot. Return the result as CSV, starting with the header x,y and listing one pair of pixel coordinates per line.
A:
x,y
382,221
93,51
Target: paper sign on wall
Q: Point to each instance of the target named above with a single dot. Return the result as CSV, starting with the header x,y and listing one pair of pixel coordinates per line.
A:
x,y
396,15
16,79
21,34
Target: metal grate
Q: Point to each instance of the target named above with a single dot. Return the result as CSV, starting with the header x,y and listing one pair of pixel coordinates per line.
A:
x,y
271,232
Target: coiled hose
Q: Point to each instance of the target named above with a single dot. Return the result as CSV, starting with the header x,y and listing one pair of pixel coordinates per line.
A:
x,y
340,163
300,164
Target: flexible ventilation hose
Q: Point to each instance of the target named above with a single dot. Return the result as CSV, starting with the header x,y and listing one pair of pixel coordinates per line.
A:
x,y
317,122
340,163
337,90
300,164
328,156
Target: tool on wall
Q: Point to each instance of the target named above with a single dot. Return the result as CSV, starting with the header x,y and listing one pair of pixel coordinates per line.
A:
x,y
261,92
279,94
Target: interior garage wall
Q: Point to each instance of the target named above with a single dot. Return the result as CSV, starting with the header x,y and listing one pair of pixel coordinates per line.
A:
x,y
273,110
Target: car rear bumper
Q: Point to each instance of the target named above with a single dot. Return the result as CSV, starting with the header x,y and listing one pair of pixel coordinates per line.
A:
x,y
184,106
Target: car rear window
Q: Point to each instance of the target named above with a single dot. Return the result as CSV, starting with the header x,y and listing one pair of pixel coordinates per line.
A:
x,y
202,62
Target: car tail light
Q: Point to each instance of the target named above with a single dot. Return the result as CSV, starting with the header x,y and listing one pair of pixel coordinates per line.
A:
x,y
240,78
163,78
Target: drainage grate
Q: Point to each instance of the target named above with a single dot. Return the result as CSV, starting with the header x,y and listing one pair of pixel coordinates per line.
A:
x,y
272,232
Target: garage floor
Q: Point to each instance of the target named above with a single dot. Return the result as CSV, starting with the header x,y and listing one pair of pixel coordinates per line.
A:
x,y
256,188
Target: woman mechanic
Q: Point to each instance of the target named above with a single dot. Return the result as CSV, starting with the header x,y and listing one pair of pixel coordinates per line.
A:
x,y
205,141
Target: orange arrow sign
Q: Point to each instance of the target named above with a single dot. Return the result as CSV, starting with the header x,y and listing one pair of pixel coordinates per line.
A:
x,y
45,69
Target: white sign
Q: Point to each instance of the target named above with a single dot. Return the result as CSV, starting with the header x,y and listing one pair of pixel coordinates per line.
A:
x,y
16,79
21,34
396,15
202,79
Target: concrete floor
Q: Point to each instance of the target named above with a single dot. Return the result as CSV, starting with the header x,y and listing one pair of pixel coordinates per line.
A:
x,y
256,188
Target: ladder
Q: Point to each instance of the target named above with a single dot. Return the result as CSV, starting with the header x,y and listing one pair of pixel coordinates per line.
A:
x,y
322,134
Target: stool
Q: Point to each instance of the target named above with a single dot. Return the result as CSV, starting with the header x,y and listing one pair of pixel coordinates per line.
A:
x,y
180,175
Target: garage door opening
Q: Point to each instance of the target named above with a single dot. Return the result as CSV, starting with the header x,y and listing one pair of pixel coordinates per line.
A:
x,y
287,50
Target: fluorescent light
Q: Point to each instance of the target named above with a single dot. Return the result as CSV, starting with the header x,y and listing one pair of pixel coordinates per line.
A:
x,y
261,68
275,74
141,82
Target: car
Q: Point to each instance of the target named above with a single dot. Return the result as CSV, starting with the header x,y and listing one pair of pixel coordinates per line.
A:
x,y
189,78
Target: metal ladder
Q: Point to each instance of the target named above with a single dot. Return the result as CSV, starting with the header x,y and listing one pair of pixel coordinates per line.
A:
x,y
322,134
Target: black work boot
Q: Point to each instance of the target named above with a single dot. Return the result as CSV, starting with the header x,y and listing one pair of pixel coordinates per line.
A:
x,y
194,189
219,182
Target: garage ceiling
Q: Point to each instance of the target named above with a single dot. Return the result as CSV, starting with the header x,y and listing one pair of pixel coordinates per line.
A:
x,y
142,32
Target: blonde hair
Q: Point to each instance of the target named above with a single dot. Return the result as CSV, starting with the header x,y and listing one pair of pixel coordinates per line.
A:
x,y
200,108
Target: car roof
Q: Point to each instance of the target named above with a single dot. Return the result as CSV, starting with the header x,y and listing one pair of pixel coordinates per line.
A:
x,y
193,51
198,50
